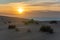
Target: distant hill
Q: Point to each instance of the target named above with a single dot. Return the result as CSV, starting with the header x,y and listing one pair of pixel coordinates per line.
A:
x,y
14,20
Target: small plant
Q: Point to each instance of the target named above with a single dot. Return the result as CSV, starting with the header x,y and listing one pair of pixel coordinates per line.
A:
x,y
46,29
31,21
5,22
16,29
26,23
36,22
51,31
53,22
43,29
28,30
11,26
9,21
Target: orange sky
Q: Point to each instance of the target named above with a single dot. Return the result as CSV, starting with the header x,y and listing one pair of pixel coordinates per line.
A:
x,y
11,8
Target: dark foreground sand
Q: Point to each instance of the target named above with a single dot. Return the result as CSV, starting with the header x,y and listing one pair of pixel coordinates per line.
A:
x,y
6,34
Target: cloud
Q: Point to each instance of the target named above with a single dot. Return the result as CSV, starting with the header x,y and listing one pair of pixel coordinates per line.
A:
x,y
45,4
11,1
31,1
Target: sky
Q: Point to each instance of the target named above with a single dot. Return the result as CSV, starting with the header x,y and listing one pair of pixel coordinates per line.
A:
x,y
9,1
38,8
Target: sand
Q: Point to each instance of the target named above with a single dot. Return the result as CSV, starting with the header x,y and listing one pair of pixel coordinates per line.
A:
x,y
6,34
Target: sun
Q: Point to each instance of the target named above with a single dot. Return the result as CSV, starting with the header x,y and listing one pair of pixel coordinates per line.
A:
x,y
20,10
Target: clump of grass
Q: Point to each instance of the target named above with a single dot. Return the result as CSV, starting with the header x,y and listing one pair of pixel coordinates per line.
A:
x,y
16,29
46,29
53,22
51,31
28,30
30,22
5,22
11,26
26,23
9,21
36,22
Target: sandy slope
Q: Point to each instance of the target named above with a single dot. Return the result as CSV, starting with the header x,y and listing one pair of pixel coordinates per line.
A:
x,y
6,34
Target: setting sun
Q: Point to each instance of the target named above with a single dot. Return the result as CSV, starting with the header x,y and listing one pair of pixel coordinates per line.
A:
x,y
20,10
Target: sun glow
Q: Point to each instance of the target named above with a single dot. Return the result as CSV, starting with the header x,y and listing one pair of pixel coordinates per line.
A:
x,y
20,10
